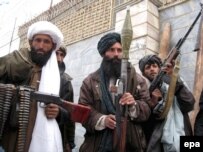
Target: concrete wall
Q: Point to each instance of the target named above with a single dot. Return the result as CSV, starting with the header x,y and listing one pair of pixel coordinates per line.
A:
x,y
82,59
181,17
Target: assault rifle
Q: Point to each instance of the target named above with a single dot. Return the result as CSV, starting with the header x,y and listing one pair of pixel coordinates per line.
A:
x,y
119,140
172,56
79,113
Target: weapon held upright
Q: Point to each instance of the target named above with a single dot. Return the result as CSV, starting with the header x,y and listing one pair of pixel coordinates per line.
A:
x,y
173,54
121,112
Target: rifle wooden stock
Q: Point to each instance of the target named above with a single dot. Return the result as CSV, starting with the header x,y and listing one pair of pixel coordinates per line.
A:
x,y
119,144
79,113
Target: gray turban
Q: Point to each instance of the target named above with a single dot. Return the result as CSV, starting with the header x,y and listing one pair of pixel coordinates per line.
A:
x,y
107,41
45,27
149,59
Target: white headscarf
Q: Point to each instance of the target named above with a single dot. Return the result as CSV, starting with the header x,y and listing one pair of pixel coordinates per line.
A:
x,y
46,136
45,27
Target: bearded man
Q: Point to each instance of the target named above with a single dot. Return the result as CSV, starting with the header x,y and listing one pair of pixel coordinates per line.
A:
x,y
35,67
95,93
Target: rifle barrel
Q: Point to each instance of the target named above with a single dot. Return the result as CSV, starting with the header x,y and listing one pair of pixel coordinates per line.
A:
x,y
173,54
188,32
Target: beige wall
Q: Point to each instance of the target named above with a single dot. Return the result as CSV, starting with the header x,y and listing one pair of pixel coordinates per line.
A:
x,y
82,19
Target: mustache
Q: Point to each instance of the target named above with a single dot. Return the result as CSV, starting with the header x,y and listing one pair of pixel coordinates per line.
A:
x,y
40,50
112,60
40,58
112,66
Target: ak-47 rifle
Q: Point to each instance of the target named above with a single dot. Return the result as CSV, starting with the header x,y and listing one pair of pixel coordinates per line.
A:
x,y
173,54
119,140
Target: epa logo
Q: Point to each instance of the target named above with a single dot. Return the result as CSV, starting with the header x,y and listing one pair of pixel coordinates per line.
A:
x,y
191,145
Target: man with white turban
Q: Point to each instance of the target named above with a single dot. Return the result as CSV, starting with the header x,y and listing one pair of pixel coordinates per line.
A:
x,y
36,67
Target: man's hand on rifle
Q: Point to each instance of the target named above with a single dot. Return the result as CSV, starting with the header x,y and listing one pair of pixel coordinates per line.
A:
x,y
110,121
51,111
156,96
127,99
169,68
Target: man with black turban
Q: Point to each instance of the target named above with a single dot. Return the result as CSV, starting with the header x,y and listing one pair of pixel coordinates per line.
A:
x,y
163,135
95,93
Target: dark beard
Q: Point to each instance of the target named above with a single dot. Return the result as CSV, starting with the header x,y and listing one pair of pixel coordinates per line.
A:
x,y
111,67
38,58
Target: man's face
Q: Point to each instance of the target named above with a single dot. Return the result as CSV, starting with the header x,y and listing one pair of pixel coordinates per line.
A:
x,y
60,56
112,61
151,71
41,48
114,51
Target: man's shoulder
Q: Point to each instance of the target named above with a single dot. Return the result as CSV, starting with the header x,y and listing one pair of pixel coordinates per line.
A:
x,y
139,75
93,76
66,76
19,55
22,54
24,51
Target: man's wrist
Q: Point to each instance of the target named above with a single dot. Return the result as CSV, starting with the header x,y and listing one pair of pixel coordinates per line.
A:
x,y
100,125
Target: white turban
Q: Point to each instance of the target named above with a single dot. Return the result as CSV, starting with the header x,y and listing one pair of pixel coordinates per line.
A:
x,y
45,27
46,132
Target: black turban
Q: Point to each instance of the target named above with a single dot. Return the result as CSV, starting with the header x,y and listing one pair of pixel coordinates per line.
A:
x,y
149,59
107,41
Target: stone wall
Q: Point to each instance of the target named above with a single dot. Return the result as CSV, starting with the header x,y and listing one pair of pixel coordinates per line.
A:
x,y
145,22
166,3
